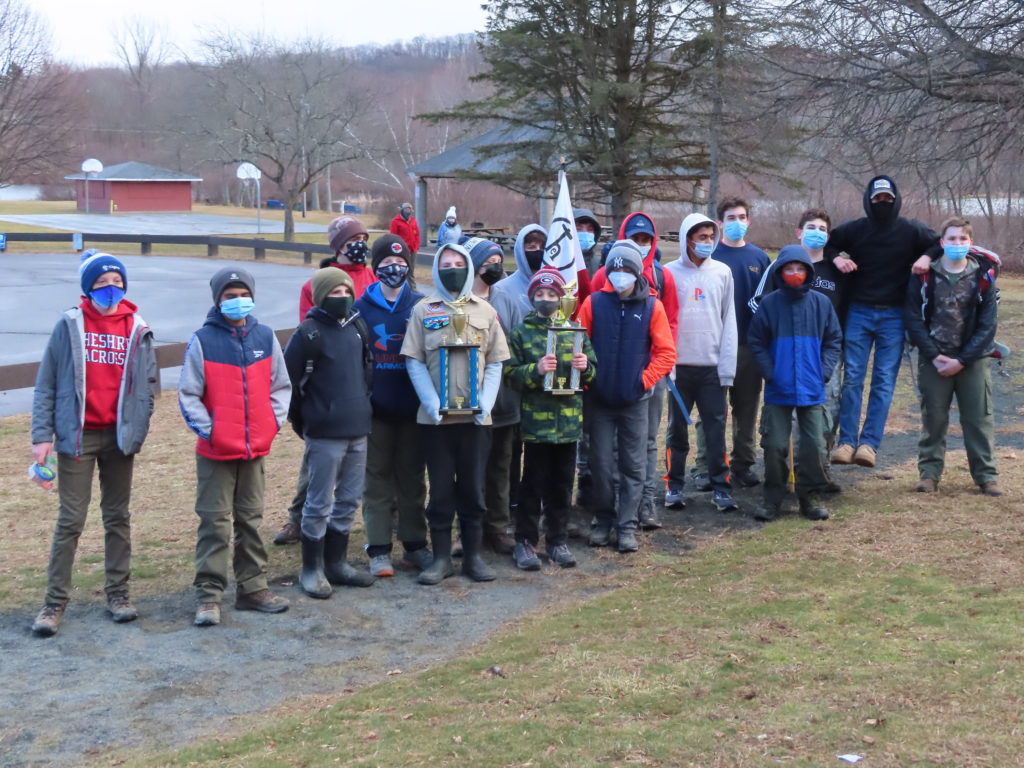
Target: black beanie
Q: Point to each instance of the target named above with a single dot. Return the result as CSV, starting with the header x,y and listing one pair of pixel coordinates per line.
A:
x,y
388,245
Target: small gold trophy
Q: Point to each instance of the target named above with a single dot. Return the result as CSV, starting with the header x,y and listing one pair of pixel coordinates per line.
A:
x,y
449,349
565,373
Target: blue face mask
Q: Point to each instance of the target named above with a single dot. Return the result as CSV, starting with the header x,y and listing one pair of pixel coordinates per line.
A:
x,y
586,240
237,309
703,250
814,239
735,230
108,296
955,252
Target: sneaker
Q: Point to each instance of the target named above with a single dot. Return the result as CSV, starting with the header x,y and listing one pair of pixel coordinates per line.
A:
x,y
627,541
561,556
380,565
745,477
766,513
649,518
48,620
418,559
811,508
599,536
262,600
207,615
289,534
927,485
702,482
991,488
525,556
724,501
674,500
120,608
843,454
865,456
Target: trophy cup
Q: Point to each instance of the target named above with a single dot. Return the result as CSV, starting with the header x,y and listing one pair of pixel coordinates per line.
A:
x,y
564,373
453,370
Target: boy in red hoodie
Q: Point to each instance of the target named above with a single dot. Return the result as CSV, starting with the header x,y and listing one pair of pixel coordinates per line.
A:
x,y
348,237
92,404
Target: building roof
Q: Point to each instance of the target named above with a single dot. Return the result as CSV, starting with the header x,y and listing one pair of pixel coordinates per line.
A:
x,y
135,171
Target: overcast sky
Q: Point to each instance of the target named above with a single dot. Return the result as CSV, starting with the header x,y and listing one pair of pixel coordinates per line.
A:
x,y
82,35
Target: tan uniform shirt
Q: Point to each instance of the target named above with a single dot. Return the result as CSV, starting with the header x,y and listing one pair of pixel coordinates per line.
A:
x,y
430,326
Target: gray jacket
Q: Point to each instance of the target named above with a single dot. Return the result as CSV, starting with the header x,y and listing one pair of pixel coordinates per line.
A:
x,y
58,405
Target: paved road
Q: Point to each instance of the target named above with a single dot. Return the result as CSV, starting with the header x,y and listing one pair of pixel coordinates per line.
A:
x,y
159,223
172,294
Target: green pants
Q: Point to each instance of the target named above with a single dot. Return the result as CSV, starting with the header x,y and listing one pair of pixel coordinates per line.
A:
x,y
973,390
776,425
395,471
74,485
229,502
744,399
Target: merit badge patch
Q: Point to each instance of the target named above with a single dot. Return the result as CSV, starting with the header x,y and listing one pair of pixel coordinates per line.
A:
x,y
436,323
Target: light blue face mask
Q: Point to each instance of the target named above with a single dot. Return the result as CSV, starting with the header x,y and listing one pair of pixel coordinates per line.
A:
x,y
586,240
955,252
703,250
735,230
108,296
237,309
814,239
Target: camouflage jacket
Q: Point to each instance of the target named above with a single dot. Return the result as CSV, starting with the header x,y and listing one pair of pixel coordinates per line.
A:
x,y
546,418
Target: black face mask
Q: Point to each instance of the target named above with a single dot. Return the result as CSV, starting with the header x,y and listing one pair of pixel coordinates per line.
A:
x,y
453,279
356,252
534,259
546,307
491,273
393,275
883,211
338,307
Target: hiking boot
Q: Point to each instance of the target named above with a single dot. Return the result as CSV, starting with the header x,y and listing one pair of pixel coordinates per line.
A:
x,y
207,614
927,485
843,454
501,543
627,541
473,564
336,565
599,536
312,579
745,477
865,456
724,501
811,508
561,556
648,519
991,488
419,559
526,556
262,600
767,513
48,620
440,566
702,482
380,565
120,608
289,534
674,500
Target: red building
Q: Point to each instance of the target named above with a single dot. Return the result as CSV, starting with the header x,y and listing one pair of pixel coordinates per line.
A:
x,y
134,187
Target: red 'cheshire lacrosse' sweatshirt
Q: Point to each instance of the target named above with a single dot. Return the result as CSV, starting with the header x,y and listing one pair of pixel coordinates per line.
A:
x,y
106,352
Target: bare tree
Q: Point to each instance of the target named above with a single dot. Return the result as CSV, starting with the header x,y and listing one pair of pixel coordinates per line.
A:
x,y
284,108
140,45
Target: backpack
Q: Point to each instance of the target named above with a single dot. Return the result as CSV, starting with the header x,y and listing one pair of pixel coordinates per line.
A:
x,y
988,269
313,348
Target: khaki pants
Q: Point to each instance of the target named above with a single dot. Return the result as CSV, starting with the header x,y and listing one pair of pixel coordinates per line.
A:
x,y
229,500
395,481
74,484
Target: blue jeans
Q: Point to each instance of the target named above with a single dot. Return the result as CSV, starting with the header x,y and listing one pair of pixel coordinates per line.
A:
x,y
866,326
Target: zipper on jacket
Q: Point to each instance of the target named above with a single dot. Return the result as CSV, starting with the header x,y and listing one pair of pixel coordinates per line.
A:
x,y
245,389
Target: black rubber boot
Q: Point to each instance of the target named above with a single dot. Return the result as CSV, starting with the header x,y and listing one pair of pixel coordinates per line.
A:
x,y
311,578
440,567
336,567
472,564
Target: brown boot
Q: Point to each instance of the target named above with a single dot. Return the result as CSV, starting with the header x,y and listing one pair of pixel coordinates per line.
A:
x,y
262,600
48,620
991,488
927,485
120,607
501,543
289,534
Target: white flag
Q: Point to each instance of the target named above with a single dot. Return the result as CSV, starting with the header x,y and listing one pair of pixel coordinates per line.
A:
x,y
562,250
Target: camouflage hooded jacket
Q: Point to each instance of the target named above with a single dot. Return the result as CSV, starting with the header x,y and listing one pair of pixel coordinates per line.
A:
x,y
546,418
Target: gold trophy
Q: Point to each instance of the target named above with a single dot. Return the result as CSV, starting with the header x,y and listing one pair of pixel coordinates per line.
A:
x,y
449,352
565,373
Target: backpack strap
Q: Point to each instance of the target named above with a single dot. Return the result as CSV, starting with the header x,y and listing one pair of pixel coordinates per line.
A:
x,y
312,349
659,278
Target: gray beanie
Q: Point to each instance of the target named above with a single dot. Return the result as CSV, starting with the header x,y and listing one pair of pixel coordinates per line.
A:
x,y
625,254
225,277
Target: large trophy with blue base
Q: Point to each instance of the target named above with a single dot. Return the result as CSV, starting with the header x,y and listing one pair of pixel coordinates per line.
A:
x,y
451,350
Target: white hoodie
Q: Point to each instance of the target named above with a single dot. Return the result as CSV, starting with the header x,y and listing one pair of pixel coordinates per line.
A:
x,y
707,316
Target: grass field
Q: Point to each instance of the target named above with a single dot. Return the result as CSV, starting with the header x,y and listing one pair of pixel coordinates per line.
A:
x,y
891,631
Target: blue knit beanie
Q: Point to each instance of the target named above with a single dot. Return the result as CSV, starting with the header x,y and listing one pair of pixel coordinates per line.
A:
x,y
94,263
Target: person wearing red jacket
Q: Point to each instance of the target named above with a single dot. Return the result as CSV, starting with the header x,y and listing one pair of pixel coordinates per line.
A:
x,y
348,237
404,225
639,227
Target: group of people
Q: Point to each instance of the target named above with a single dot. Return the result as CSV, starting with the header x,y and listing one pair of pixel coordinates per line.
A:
x,y
389,387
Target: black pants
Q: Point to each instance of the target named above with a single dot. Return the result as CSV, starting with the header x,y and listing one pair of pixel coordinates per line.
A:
x,y
698,384
456,457
548,470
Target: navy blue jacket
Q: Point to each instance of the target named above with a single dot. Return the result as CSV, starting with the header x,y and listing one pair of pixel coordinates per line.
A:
x,y
622,343
795,339
393,396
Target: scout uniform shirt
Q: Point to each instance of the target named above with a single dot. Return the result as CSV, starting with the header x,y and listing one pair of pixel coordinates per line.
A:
x,y
430,326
